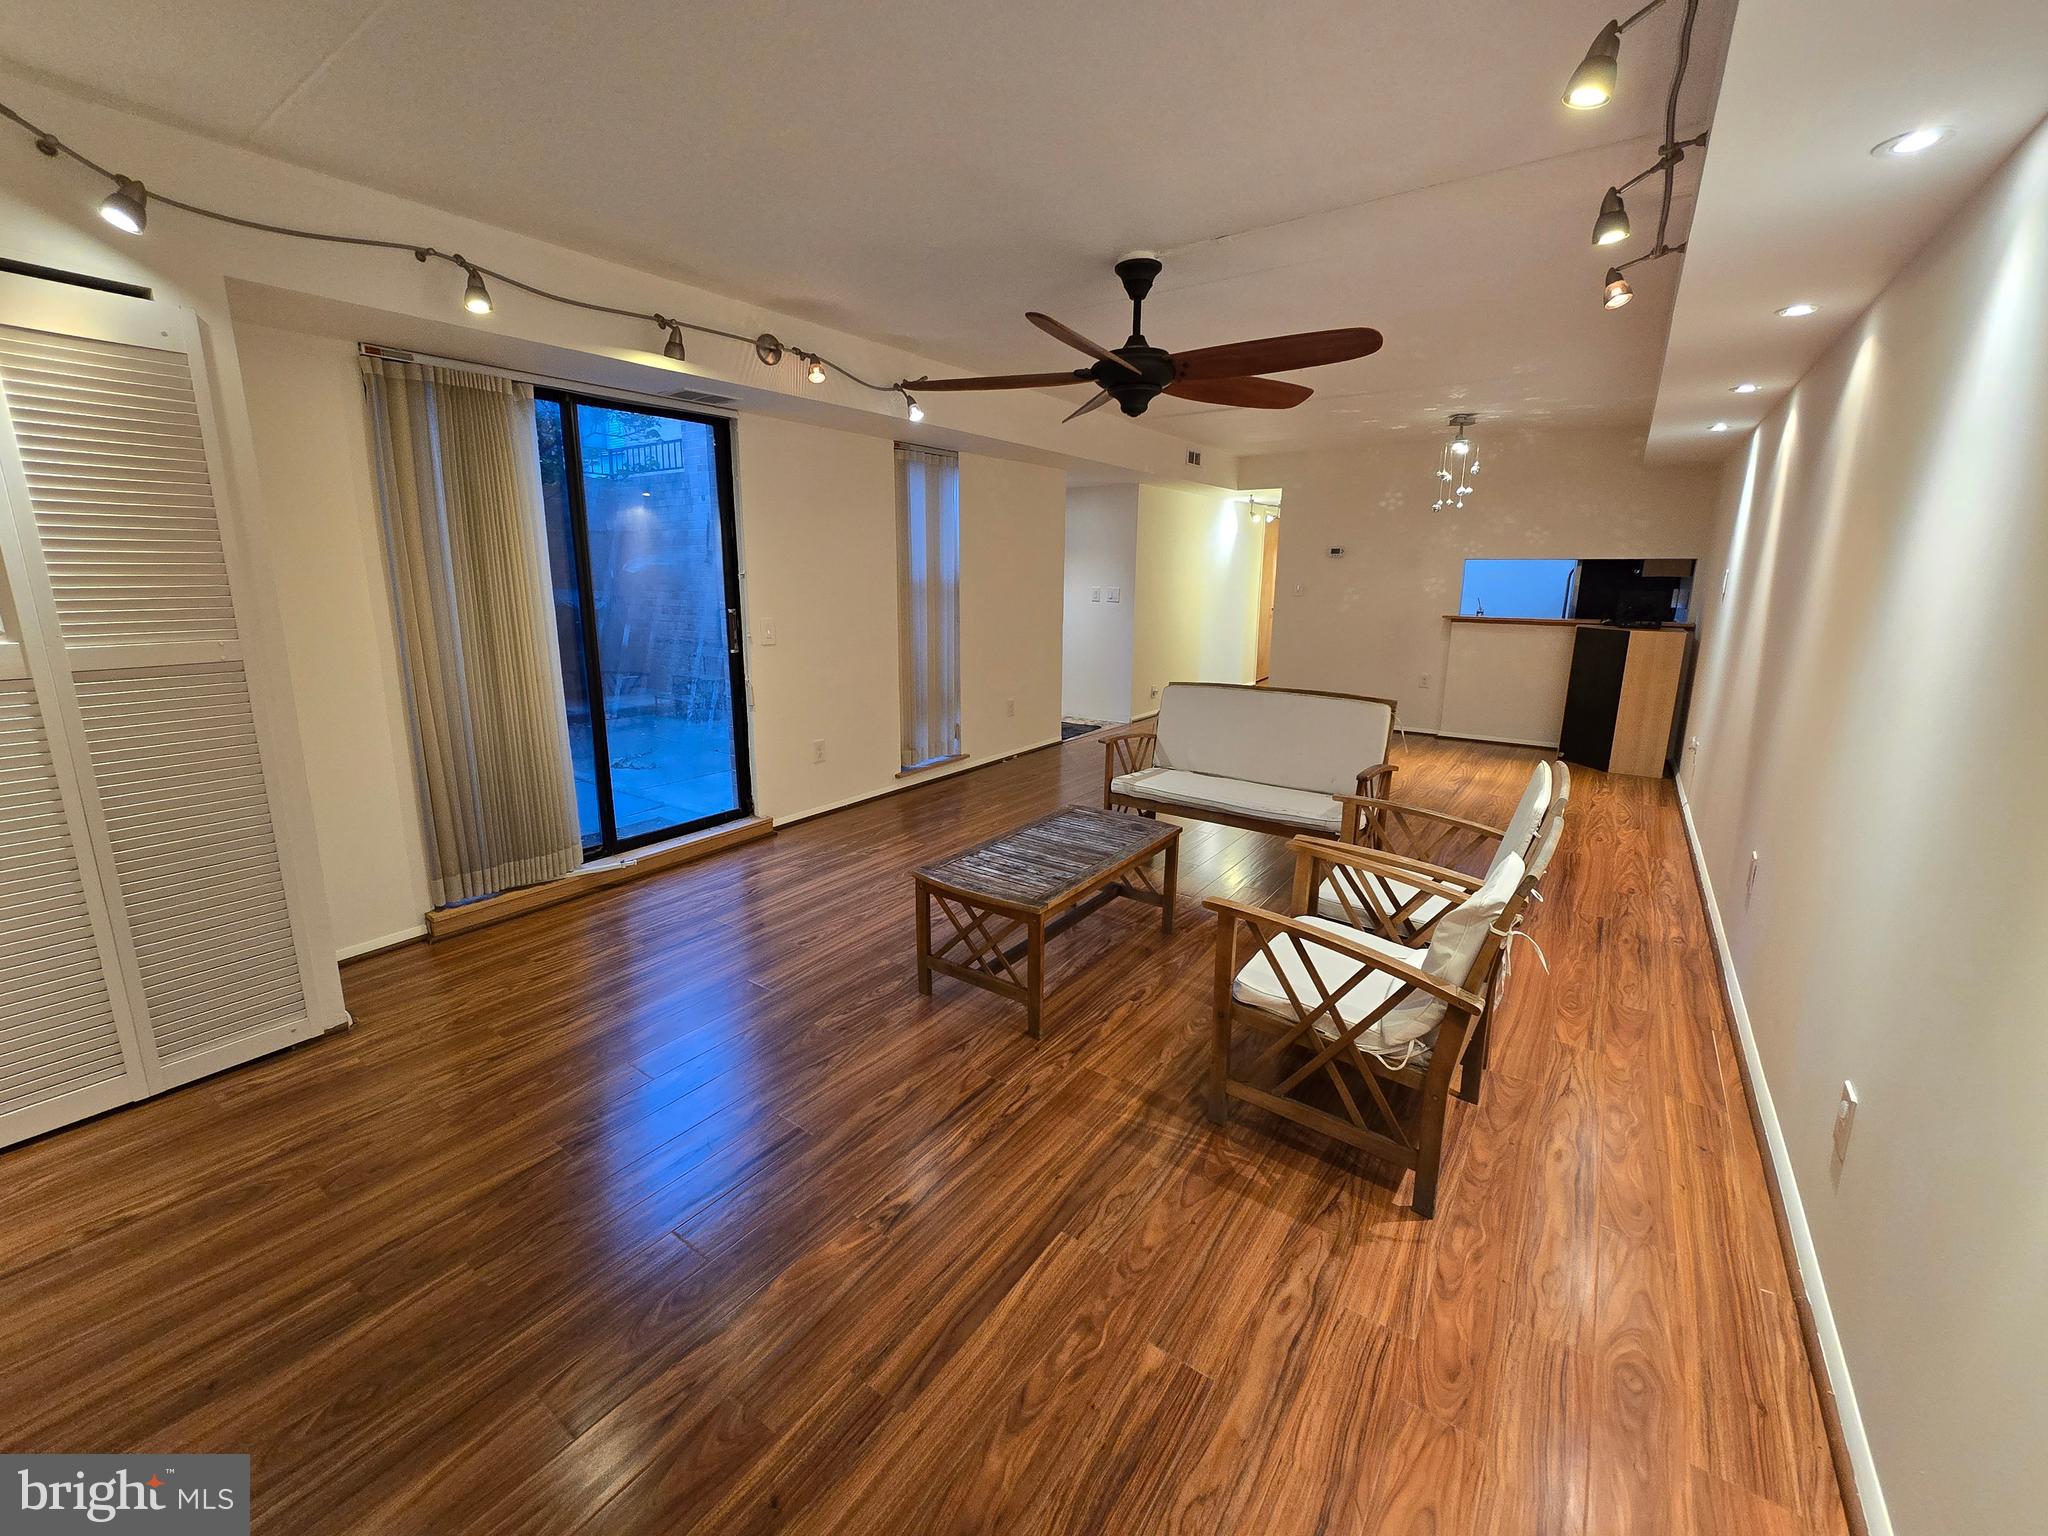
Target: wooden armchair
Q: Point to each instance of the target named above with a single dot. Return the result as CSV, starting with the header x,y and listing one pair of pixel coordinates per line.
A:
x,y
1387,1027
1425,850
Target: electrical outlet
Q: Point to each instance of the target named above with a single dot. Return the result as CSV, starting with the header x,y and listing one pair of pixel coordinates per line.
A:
x,y
767,631
1010,708
1301,589
1749,888
1422,682
1155,693
1845,1122
818,750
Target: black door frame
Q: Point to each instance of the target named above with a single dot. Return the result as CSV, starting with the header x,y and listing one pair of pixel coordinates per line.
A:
x,y
593,660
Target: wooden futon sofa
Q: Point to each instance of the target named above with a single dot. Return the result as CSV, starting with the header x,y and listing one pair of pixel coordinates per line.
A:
x,y
1268,759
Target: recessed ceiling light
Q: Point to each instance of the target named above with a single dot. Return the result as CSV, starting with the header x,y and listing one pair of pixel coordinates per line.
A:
x,y
1719,426
1919,141
1798,311
1745,389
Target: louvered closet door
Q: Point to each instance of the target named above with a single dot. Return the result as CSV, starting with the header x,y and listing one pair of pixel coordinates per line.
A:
x,y
113,490
65,1051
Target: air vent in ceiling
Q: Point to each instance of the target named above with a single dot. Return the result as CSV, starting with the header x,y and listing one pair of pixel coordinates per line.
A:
x,y
699,397
1194,457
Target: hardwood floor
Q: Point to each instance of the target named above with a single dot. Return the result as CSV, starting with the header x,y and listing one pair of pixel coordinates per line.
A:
x,y
677,1209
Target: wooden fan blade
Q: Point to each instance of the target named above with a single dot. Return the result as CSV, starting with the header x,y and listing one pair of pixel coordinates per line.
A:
x,y
1100,397
1277,354
1264,394
1004,381
1076,340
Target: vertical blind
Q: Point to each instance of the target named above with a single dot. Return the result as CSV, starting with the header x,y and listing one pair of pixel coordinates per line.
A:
x,y
928,585
458,479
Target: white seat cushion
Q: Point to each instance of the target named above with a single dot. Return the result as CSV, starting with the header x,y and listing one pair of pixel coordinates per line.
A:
x,y
1304,808
1452,949
1396,894
1257,985
1308,741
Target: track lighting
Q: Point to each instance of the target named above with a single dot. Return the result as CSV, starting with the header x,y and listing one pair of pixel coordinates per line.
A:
x,y
476,298
672,349
1592,83
1798,311
916,410
817,372
1612,226
127,206
1618,290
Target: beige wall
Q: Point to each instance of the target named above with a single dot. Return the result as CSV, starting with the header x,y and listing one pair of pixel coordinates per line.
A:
x,y
1371,621
1198,592
1872,720
327,557
1101,602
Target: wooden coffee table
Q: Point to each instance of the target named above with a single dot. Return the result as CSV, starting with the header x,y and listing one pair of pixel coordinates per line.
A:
x,y
1003,898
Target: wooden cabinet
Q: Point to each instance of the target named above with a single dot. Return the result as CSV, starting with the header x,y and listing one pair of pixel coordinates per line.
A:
x,y
1622,698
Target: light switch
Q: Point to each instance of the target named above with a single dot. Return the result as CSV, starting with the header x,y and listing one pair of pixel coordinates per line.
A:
x,y
767,631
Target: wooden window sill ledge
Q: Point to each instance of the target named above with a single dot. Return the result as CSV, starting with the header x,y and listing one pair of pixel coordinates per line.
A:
x,y
929,764
600,874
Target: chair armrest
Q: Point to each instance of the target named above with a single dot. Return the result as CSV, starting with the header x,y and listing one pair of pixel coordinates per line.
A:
x,y
1414,872
1274,923
1379,803
1127,749
1377,779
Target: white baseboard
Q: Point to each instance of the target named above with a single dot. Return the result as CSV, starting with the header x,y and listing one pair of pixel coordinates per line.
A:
x,y
371,946
1877,1522
1504,741
965,765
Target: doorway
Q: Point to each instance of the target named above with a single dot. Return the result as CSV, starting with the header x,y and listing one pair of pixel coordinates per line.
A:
x,y
1269,571
643,550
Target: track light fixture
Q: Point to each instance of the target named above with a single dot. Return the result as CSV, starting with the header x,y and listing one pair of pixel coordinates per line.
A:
x,y
127,206
1592,85
1611,227
916,410
476,298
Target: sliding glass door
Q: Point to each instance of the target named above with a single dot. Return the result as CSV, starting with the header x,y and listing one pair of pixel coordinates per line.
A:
x,y
641,540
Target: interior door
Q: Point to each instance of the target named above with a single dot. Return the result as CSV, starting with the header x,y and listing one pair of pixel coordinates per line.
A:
x,y
124,573
66,1049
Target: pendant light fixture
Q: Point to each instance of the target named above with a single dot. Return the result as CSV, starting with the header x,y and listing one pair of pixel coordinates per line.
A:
x,y
1456,465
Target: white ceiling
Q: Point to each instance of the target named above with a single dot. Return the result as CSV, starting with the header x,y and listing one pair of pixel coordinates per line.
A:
x,y
1794,207
921,172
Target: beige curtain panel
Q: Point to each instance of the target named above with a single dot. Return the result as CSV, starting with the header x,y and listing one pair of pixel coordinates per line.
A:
x,y
458,478
928,587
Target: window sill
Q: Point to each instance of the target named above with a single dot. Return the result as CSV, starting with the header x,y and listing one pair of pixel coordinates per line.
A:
x,y
929,764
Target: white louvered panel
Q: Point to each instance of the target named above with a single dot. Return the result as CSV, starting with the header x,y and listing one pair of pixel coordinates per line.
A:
x,y
115,465
187,815
58,1035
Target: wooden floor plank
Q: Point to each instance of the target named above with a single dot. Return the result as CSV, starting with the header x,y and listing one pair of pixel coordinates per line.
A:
x,y
678,1209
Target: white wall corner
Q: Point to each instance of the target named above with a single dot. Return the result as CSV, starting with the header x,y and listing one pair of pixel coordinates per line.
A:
x,y
1877,1522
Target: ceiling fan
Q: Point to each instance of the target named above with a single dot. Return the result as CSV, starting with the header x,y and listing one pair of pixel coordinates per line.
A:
x,y
1134,373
